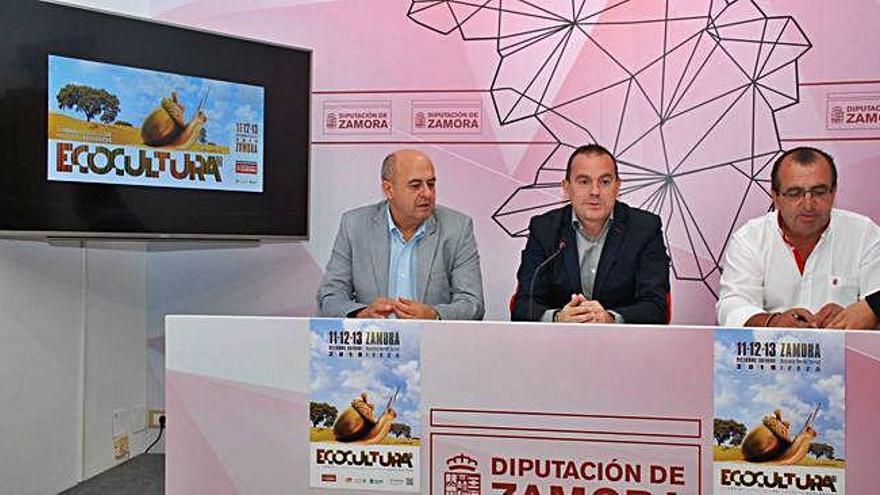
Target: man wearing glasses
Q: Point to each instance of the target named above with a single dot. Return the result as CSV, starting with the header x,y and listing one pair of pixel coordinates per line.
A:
x,y
800,265
595,260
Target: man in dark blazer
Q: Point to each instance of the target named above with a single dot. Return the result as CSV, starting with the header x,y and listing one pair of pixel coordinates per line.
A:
x,y
606,262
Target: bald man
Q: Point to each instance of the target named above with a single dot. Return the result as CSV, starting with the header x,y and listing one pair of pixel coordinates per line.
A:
x,y
404,257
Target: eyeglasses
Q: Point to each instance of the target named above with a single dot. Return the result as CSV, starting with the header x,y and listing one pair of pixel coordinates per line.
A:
x,y
798,193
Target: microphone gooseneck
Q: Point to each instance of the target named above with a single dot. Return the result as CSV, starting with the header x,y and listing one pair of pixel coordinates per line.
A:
x,y
559,248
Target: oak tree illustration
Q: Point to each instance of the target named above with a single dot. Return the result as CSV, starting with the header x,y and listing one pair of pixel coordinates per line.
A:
x,y
322,413
821,449
92,102
401,429
728,430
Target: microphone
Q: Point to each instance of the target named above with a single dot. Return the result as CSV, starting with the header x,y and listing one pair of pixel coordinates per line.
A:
x,y
559,248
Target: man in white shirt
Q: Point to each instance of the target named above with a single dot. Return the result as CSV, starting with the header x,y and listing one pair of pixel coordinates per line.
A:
x,y
800,265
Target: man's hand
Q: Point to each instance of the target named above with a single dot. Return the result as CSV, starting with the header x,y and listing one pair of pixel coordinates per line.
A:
x,y
856,316
793,318
381,307
826,315
574,311
407,309
597,313
583,310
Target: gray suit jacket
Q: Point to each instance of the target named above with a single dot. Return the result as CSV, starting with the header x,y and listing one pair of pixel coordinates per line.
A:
x,y
448,275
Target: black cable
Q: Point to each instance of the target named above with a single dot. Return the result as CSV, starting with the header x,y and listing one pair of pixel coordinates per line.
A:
x,y
161,429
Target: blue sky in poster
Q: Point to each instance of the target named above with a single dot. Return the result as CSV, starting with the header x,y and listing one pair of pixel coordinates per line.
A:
x,y
339,380
749,395
140,91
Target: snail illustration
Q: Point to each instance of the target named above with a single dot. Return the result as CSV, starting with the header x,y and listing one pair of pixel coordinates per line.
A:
x,y
358,423
166,126
771,441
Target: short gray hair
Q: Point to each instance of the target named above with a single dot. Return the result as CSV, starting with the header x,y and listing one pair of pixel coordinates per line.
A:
x,y
387,167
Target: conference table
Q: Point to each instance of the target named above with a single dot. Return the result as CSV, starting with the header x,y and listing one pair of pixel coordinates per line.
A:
x,y
313,405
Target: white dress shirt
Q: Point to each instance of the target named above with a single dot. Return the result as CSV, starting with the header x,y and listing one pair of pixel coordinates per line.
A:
x,y
761,274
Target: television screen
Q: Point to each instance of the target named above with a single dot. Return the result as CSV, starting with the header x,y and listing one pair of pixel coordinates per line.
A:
x,y
119,127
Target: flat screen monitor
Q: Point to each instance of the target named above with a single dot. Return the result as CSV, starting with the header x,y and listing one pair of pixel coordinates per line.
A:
x,y
118,127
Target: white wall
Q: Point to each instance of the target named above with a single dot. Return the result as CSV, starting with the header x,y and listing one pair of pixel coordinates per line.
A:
x,y
72,350
115,349
40,311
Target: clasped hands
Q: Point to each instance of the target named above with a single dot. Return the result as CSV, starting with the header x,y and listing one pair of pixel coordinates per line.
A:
x,y
402,308
803,318
583,310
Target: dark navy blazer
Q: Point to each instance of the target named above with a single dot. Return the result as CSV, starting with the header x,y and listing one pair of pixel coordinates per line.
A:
x,y
632,278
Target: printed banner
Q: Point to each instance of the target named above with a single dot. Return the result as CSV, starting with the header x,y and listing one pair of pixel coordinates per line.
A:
x,y
548,463
847,111
111,124
364,406
779,412
357,117
447,117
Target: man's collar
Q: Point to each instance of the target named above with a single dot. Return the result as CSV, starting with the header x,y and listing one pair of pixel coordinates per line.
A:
x,y
780,226
576,225
392,227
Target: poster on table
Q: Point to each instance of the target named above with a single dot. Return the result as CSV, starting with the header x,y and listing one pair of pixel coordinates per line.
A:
x,y
779,412
365,422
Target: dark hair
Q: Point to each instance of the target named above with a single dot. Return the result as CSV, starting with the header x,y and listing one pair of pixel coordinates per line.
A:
x,y
388,166
805,155
590,149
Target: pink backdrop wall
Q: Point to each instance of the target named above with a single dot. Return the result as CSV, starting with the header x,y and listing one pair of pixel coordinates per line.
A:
x,y
730,84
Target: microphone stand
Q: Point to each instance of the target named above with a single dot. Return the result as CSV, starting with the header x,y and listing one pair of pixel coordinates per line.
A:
x,y
544,263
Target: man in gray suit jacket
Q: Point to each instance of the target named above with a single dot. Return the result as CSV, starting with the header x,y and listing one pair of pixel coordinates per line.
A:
x,y
404,256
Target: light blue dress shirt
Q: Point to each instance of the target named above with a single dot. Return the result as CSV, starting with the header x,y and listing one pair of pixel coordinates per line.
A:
x,y
402,262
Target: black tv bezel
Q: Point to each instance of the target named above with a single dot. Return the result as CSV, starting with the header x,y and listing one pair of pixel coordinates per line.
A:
x,y
296,200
